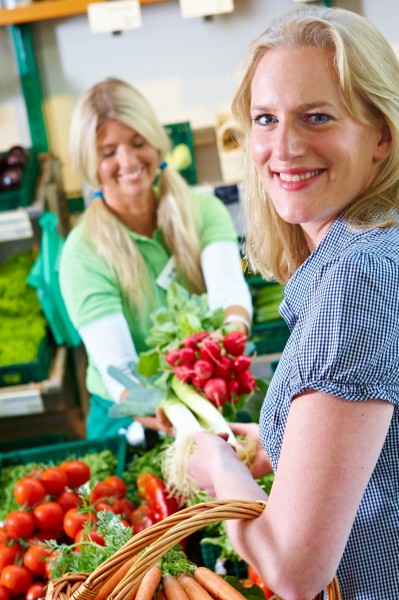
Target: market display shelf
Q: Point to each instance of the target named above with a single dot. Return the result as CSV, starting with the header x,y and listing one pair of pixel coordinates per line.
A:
x,y
41,10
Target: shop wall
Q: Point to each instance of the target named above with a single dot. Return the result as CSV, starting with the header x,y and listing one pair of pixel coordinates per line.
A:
x,y
186,68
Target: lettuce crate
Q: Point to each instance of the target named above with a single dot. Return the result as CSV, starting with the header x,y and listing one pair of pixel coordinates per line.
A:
x,y
36,370
56,453
22,196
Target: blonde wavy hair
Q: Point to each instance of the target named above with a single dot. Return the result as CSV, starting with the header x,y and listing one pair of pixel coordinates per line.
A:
x,y
176,211
368,72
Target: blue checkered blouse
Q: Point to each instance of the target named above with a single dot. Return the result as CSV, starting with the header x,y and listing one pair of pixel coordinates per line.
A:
x,y
342,307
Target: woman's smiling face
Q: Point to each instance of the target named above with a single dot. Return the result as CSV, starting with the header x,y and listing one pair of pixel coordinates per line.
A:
x,y
312,156
127,163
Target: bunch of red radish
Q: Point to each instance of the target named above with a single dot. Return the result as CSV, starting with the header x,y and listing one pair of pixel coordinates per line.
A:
x,y
218,369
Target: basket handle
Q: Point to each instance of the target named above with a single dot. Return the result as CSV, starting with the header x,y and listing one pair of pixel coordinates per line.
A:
x,y
228,509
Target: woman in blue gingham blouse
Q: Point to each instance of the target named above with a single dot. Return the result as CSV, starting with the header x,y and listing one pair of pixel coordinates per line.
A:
x,y
319,105
342,306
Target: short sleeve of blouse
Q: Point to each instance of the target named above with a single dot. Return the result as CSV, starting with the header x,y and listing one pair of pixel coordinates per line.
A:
x,y
346,339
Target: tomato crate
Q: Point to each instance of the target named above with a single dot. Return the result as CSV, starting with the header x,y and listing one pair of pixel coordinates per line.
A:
x,y
210,553
36,370
74,450
22,196
270,337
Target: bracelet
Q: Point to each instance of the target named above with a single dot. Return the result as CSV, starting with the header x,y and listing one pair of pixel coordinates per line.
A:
x,y
238,318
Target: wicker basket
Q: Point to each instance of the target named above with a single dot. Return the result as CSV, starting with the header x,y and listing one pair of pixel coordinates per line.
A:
x,y
157,539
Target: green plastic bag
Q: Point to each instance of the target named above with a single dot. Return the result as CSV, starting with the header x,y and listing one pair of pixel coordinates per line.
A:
x,y
44,277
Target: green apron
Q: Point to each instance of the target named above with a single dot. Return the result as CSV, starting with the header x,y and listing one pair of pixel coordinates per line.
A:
x,y
99,424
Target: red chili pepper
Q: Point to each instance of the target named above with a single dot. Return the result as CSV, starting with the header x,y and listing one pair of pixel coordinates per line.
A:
x,y
153,490
141,518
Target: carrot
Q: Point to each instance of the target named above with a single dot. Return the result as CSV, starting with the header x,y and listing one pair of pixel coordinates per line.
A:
x,y
173,588
160,595
216,585
109,585
193,589
149,584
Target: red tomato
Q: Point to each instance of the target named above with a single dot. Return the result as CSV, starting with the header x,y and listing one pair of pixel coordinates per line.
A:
x,y
69,500
101,490
43,536
16,579
9,555
123,506
92,536
37,590
54,480
74,521
4,593
141,518
117,484
77,472
48,515
29,491
19,524
49,563
33,559
4,537
104,505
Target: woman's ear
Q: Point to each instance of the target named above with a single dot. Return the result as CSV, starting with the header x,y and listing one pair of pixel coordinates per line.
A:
x,y
384,144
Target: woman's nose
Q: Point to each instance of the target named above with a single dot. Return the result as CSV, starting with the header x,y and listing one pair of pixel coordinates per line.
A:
x,y
289,142
126,155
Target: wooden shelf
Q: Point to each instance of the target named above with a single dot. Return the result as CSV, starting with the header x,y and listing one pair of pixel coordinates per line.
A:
x,y
41,10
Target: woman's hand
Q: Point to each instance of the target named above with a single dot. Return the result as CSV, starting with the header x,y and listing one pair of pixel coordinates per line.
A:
x,y
159,422
261,464
207,448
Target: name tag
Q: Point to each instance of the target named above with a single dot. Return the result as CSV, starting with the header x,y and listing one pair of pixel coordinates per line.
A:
x,y
168,274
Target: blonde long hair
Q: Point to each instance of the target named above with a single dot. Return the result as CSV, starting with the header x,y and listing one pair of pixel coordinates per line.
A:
x,y
368,72
176,211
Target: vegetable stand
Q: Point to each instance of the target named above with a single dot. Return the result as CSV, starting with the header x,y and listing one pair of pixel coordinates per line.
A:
x,y
39,397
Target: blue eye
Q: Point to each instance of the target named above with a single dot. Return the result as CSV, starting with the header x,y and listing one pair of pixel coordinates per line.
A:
x,y
265,119
319,117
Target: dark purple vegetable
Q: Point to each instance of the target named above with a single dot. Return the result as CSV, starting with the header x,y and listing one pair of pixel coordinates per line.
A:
x,y
17,156
11,178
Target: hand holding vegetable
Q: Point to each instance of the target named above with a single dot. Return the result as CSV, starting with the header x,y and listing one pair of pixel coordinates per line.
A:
x,y
261,464
210,450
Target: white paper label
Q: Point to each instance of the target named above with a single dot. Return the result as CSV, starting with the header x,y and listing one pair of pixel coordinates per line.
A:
x,y
25,402
168,274
114,15
205,8
15,225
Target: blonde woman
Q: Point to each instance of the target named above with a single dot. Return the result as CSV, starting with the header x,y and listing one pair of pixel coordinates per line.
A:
x,y
319,103
144,228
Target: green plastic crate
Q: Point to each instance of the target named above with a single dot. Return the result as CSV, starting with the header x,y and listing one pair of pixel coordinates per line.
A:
x,y
22,196
211,552
270,337
181,134
54,453
36,370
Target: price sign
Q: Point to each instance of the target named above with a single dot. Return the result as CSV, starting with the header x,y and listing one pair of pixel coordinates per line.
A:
x,y
15,225
205,8
117,15
24,402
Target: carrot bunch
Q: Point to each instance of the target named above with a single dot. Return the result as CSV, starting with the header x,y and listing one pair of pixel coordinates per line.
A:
x,y
175,577
202,584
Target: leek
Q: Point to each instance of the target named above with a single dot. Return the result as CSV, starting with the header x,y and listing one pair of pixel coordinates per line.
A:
x,y
190,413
